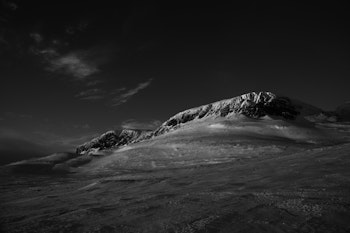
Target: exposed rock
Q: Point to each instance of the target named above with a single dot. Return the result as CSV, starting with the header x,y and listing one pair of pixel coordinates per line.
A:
x,y
253,105
110,139
106,140
128,136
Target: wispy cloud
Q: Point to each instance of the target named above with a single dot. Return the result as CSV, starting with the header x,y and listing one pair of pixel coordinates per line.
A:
x,y
93,98
118,90
134,124
91,94
128,93
82,66
36,37
47,54
75,64
78,27
10,5
93,83
78,64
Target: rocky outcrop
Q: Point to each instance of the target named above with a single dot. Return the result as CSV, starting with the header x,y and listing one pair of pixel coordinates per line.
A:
x,y
128,136
110,139
106,140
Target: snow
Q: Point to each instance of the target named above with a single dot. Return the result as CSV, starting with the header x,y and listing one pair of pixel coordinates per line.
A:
x,y
217,126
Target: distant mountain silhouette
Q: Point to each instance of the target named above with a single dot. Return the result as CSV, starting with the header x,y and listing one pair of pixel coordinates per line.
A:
x,y
14,149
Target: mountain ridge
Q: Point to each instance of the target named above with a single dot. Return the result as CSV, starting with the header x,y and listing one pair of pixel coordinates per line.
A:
x,y
110,139
253,105
255,115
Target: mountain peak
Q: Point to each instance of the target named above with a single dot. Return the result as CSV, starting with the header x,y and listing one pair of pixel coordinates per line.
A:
x,y
252,105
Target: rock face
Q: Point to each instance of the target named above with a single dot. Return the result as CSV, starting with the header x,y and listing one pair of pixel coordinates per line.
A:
x,y
252,105
106,140
130,136
110,139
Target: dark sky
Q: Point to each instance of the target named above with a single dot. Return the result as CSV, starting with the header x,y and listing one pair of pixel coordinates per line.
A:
x,y
71,70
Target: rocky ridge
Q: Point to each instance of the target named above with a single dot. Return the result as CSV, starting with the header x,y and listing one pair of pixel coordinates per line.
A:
x,y
252,105
111,139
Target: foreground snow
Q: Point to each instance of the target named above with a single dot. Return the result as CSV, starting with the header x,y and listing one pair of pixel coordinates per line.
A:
x,y
303,191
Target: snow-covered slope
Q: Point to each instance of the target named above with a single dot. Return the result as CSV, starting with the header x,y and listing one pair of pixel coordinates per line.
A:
x,y
257,159
254,105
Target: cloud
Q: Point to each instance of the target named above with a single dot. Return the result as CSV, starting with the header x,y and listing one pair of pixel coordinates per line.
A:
x,y
10,5
134,124
77,27
93,83
36,37
118,90
92,98
127,94
91,94
79,64
74,64
47,54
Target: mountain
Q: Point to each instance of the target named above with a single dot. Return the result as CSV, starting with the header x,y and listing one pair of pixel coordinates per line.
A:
x,y
254,163
253,105
256,117
209,131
